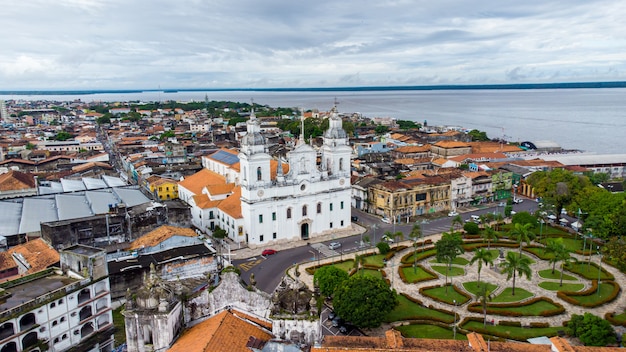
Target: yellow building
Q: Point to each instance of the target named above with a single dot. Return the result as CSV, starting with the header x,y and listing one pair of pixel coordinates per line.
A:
x,y
162,188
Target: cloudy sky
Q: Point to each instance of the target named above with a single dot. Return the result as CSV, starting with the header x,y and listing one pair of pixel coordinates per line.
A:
x,y
147,44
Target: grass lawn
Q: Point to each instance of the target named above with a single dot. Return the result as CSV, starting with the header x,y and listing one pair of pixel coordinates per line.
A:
x,y
554,286
513,332
473,287
370,272
423,331
595,299
506,296
454,271
120,330
417,275
589,271
375,260
449,297
573,244
540,252
457,261
547,274
620,317
420,255
533,309
532,261
345,266
407,310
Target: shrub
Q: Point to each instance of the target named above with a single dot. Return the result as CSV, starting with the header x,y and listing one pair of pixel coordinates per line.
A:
x,y
509,323
471,228
536,324
383,247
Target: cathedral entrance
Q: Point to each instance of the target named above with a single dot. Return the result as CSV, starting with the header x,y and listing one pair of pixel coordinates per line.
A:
x,y
304,231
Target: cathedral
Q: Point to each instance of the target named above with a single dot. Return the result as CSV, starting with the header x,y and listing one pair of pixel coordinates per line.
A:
x,y
296,198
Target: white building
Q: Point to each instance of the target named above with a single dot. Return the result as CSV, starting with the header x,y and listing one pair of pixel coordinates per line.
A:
x,y
304,202
58,309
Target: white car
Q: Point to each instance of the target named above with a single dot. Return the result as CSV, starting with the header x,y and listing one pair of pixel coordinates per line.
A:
x,y
334,245
386,220
453,213
387,239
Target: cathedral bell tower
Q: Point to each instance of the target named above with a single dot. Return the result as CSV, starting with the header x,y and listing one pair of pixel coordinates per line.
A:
x,y
253,157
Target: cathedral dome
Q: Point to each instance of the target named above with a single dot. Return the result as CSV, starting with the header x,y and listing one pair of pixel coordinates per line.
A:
x,y
335,133
253,138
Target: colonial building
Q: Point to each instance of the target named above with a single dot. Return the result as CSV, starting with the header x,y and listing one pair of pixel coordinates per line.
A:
x,y
306,201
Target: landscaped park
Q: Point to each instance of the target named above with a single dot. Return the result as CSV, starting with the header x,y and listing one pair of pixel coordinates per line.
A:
x,y
505,280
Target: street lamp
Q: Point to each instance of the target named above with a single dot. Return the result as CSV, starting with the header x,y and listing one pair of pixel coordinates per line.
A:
x,y
454,326
599,262
375,226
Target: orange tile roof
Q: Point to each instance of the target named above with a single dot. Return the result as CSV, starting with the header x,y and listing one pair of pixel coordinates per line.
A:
x,y
413,149
474,156
160,181
274,167
232,204
6,261
226,332
159,235
90,165
203,202
451,144
201,179
221,189
490,147
38,254
15,180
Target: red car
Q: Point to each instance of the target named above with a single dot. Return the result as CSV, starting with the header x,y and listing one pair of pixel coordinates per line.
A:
x,y
268,252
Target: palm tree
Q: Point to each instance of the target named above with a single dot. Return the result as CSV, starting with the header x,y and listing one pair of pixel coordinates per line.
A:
x,y
483,296
563,256
522,234
447,249
498,218
514,265
457,220
398,236
489,234
554,246
359,260
481,256
416,232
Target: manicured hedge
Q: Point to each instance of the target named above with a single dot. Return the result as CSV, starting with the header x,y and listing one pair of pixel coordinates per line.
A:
x,y
568,296
477,308
611,318
539,325
435,298
510,323
404,279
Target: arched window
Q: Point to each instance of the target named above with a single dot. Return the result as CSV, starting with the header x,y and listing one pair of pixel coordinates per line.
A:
x,y
259,174
304,210
319,208
340,164
27,321
85,313
288,213
6,330
9,347
86,330
84,295
29,340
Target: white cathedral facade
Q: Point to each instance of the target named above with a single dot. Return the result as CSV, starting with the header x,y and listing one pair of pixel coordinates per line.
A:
x,y
300,199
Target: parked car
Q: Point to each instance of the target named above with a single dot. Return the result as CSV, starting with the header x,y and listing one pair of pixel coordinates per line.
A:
x,y
453,213
268,252
518,200
475,218
337,322
355,218
386,220
334,245
331,315
387,239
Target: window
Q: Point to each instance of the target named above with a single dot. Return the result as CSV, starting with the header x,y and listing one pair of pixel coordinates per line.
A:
x,y
274,216
259,175
52,305
260,238
341,223
260,218
304,210
274,235
331,206
319,208
288,213
331,225
341,205
62,319
55,323
340,164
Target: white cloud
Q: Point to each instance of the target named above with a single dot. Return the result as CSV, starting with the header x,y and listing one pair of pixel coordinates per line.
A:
x,y
93,44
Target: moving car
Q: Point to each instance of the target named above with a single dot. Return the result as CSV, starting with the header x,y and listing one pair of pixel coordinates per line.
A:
x,y
355,218
268,252
334,245
386,220
387,239
453,213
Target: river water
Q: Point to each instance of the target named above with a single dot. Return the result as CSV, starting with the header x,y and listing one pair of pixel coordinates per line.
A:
x,y
592,120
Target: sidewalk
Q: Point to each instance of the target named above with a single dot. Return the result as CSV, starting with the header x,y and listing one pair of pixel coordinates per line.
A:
x,y
618,305
248,252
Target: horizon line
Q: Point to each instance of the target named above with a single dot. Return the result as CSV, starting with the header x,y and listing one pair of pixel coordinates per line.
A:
x,y
562,85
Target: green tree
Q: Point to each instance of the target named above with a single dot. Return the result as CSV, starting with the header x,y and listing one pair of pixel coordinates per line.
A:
x,y
514,265
359,260
218,232
380,129
489,234
554,246
106,118
481,256
591,330
398,236
478,135
522,233
30,146
457,221
524,217
484,296
407,124
328,278
447,249
558,186
63,136
414,235
471,228
383,247
564,256
615,251
364,300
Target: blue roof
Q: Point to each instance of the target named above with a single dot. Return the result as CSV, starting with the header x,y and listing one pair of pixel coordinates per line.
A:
x,y
225,157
